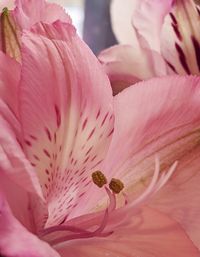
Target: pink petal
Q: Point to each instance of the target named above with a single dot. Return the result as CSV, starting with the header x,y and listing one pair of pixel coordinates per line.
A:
x,y
180,38
148,19
147,233
125,66
7,3
121,14
164,121
171,110
9,79
16,240
29,12
180,197
13,162
66,110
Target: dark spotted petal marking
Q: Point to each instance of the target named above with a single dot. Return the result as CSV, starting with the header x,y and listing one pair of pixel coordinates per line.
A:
x,y
66,116
181,38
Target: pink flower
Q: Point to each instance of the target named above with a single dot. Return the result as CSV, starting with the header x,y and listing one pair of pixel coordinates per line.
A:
x,y
60,124
157,38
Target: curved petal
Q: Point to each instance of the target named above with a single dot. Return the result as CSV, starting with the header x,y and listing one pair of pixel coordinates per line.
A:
x,y
9,80
147,233
148,19
180,38
13,161
27,13
121,14
66,114
164,121
16,240
125,66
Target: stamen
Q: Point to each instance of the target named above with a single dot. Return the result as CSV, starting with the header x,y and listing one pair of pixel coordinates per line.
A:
x,y
116,185
99,178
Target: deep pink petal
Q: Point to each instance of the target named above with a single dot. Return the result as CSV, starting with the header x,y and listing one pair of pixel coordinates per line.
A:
x,y
29,12
16,240
66,114
146,233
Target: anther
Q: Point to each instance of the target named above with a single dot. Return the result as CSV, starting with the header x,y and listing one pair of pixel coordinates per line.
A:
x,y
116,185
99,178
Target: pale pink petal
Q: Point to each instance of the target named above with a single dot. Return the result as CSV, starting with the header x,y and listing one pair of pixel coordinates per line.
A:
x,y
16,240
7,3
180,38
29,12
162,110
148,233
126,65
148,19
164,120
9,80
66,114
180,197
121,15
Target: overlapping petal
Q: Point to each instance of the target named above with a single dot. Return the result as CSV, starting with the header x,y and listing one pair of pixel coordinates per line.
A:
x,y
16,240
147,233
27,13
180,38
167,125
66,115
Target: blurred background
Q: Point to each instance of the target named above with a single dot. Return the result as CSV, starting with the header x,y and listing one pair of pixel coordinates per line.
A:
x,y
92,20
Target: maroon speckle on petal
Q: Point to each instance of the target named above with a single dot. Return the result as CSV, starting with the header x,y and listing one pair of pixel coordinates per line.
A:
x,y
89,150
58,116
171,66
104,119
48,133
28,143
177,32
182,58
47,153
98,113
47,172
36,157
197,50
111,132
84,124
91,134
86,159
33,137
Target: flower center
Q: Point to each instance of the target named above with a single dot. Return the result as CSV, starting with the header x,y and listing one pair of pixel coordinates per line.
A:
x,y
115,187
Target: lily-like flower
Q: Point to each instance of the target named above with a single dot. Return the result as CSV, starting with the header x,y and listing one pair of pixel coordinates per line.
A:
x,y
157,38
86,174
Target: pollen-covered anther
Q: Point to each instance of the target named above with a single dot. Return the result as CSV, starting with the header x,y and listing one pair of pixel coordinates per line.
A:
x,y
116,185
99,178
